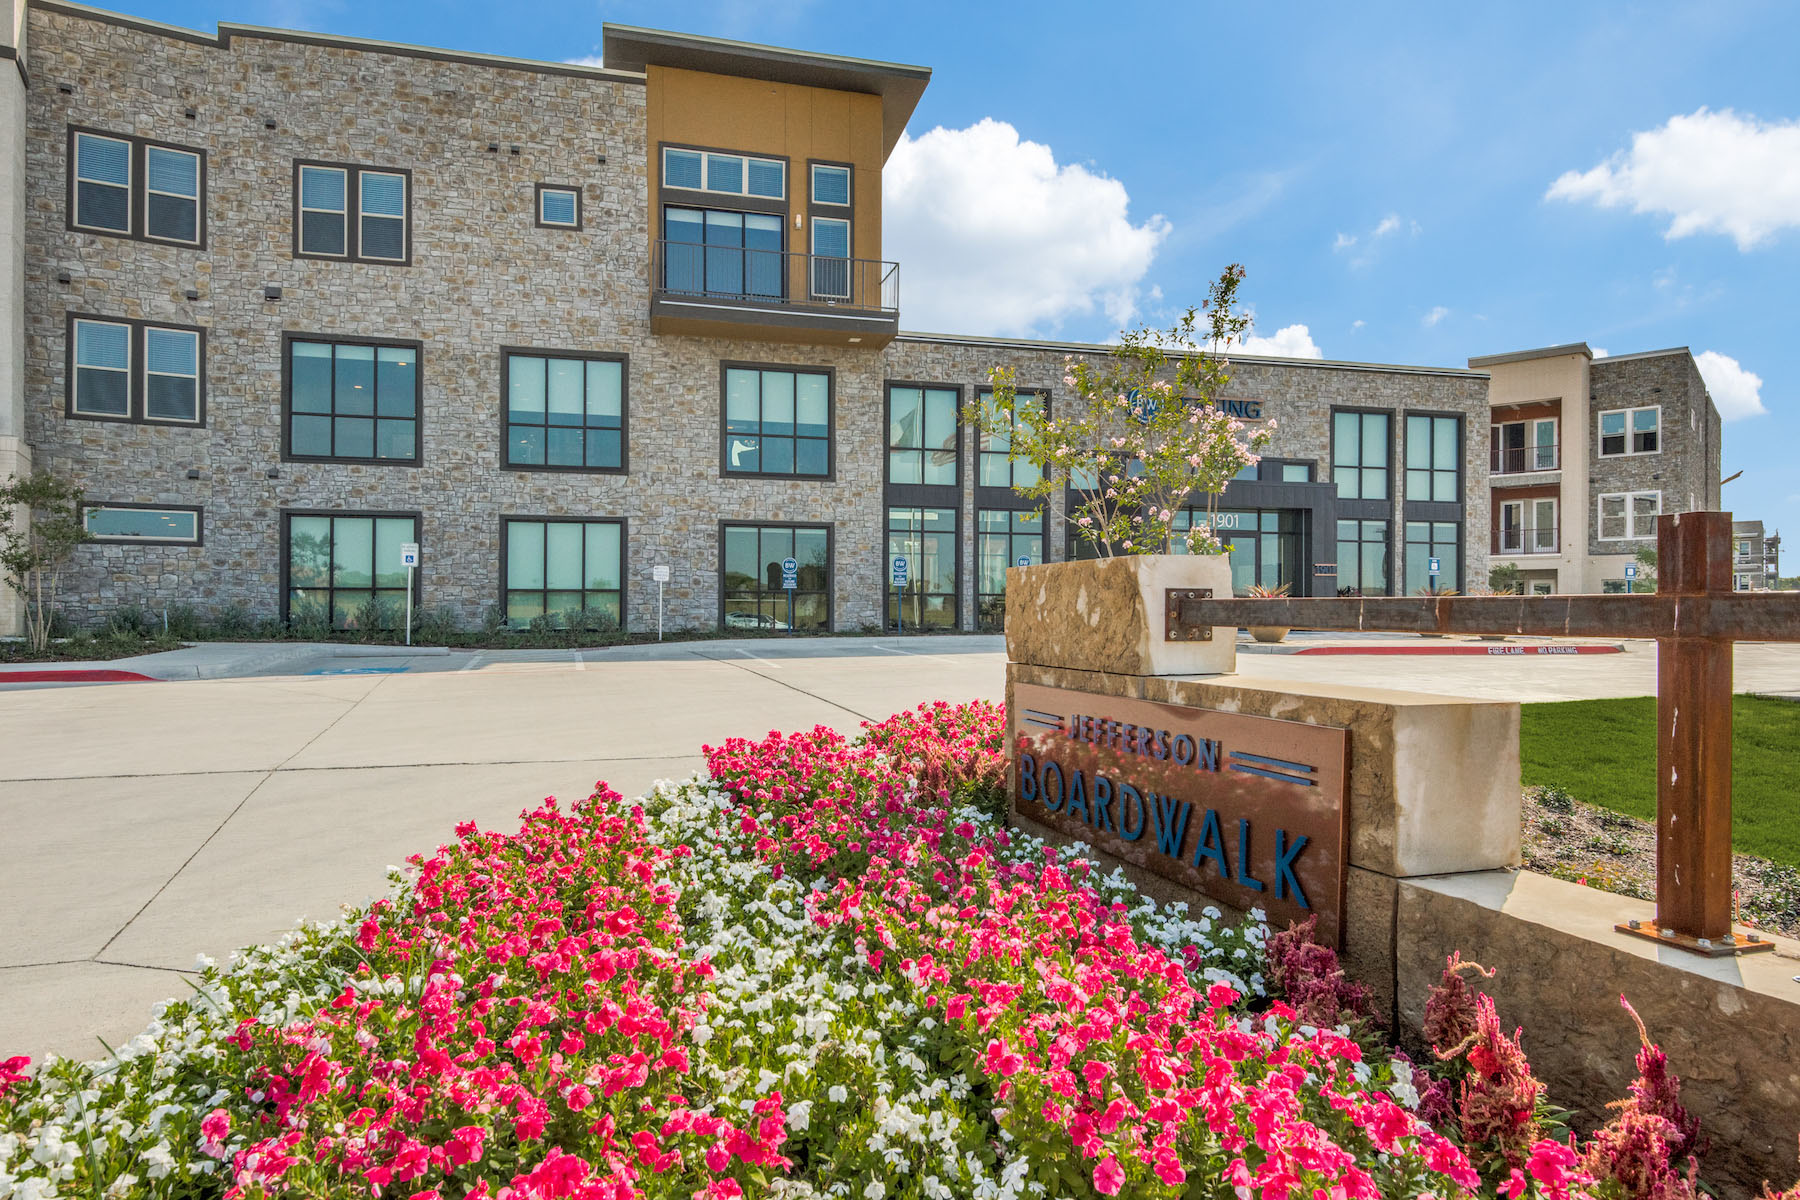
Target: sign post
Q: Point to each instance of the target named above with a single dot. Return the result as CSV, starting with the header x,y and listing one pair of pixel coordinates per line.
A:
x,y
790,579
900,595
409,558
1432,565
1631,577
660,573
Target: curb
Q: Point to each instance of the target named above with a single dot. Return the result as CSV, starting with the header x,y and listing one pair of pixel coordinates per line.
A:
x,y
1480,651
77,675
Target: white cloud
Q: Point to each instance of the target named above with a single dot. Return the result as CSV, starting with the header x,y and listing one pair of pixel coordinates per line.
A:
x,y
1598,352
1438,313
1389,224
1358,323
1385,228
1290,341
1736,392
994,236
1709,172
1343,241
586,60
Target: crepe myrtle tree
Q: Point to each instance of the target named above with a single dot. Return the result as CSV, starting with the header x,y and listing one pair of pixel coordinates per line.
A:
x,y
1144,433
33,551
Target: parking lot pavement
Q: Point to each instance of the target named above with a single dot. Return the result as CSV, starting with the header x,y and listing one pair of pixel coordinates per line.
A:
x,y
146,823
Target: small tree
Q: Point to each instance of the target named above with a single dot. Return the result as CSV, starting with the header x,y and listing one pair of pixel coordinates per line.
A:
x,y
1505,579
1646,565
33,557
1145,431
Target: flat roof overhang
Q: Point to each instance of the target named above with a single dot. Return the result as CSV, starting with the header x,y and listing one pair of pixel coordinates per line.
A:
x,y
816,325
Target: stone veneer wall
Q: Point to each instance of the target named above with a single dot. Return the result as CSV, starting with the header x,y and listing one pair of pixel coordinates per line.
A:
x,y
482,277
1686,470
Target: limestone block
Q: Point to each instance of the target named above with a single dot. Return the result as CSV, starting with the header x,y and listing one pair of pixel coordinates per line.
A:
x,y
1108,615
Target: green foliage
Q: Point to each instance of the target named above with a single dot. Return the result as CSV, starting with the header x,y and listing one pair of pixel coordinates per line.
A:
x,y
1505,579
1143,433
33,552
438,627
1604,753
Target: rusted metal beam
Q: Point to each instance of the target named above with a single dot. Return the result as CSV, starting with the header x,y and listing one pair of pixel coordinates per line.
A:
x,y
1738,616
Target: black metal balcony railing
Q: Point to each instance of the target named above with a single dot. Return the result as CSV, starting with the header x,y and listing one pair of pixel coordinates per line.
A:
x,y
1522,460
777,278
1537,539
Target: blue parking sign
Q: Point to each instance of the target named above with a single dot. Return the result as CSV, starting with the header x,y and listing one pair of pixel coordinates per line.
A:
x,y
899,572
790,572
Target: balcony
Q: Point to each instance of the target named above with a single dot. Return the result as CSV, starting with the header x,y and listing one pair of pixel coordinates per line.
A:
x,y
1541,539
781,296
1524,460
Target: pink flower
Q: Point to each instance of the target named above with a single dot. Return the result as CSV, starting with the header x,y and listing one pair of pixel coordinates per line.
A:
x,y
1108,1178
1001,1061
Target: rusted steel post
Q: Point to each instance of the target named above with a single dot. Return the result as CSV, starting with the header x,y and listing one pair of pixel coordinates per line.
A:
x,y
1693,731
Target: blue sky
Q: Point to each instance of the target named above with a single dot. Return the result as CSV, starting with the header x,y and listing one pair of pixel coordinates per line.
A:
x,y
1385,172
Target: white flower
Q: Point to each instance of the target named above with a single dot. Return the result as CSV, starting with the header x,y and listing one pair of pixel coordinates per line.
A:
x,y
876,1190
799,1114
838,1093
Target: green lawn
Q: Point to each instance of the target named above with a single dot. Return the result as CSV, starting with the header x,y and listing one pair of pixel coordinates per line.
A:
x,y
1604,752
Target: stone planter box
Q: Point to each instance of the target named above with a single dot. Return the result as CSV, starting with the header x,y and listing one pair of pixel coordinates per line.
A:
x,y
1109,615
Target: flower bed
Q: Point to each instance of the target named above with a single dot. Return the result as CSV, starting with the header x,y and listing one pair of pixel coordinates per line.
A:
x,y
823,969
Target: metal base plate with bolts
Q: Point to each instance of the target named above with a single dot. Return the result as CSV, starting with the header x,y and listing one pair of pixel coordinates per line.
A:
x,y
1173,628
1725,947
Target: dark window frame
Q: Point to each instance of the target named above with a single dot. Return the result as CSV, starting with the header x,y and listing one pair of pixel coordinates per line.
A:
x,y
988,496
537,206
1461,459
138,190
353,212
289,337
1043,536
624,524
1461,543
199,511
816,208
887,425
620,357
1393,432
137,387
283,515
955,508
830,562
830,476
740,201
1387,552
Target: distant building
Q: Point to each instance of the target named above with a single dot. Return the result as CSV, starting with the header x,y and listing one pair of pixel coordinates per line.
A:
x,y
1586,452
1755,557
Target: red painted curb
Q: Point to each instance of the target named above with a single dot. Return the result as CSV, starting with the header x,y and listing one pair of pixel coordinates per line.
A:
x,y
75,676
1482,651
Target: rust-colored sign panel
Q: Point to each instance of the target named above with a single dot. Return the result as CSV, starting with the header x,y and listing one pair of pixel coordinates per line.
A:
x,y
1249,810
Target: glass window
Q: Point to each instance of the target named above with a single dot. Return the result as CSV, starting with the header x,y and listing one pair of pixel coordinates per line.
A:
x,y
383,232
102,369
1434,458
564,572
171,374
731,174
926,539
1362,558
102,183
777,422
1002,538
559,206
172,194
1426,540
922,435
1292,472
995,468
831,258
322,211
830,185
353,400
347,570
119,523
751,583
1629,515
710,252
1359,455
1630,431
565,413
682,169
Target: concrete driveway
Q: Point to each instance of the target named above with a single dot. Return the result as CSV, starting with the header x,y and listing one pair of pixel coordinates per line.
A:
x,y
142,824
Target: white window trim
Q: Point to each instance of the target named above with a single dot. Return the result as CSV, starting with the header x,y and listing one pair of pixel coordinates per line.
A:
x,y
1630,518
813,181
706,157
127,370
187,333
130,182
343,212
1628,452
193,540
199,187
561,191
363,214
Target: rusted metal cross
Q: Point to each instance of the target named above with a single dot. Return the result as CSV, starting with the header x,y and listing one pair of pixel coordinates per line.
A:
x,y
1695,618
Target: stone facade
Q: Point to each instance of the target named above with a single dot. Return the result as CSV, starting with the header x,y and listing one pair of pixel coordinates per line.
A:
x,y
482,276
1686,467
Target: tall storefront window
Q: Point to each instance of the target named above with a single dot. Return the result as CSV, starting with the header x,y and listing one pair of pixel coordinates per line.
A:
x,y
1002,538
751,583
1362,558
1266,545
566,573
1360,454
926,539
777,422
1434,458
1426,540
922,427
995,468
345,570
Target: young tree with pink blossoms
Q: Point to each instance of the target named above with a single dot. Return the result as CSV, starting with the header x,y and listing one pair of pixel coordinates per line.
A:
x,y
1144,433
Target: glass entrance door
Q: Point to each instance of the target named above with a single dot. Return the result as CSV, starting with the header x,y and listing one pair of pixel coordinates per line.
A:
x,y
1268,546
